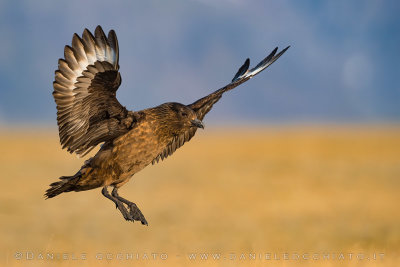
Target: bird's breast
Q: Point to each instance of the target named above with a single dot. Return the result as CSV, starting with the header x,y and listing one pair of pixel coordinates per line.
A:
x,y
136,149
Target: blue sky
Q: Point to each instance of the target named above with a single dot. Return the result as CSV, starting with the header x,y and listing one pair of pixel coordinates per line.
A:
x,y
343,66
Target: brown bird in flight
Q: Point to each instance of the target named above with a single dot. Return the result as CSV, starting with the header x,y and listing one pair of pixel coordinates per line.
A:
x,y
88,113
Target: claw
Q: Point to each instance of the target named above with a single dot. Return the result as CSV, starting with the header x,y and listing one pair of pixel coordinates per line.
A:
x,y
137,214
134,213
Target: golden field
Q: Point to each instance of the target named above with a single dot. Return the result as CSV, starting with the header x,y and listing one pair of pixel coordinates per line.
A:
x,y
301,190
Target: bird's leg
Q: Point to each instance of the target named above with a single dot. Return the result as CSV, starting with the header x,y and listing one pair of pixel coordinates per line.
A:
x,y
133,209
119,205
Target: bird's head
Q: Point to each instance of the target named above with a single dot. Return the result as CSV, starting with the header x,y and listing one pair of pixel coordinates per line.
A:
x,y
179,118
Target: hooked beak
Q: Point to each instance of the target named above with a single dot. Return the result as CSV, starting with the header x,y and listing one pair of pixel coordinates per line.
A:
x,y
197,123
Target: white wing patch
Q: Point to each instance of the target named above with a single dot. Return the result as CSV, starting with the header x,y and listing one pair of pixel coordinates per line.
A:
x,y
86,57
244,72
84,52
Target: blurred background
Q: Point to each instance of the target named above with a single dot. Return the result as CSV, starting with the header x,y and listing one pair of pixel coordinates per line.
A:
x,y
343,65
304,158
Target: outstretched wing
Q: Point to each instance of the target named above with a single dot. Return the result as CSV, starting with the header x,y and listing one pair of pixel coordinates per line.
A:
x,y
204,105
85,86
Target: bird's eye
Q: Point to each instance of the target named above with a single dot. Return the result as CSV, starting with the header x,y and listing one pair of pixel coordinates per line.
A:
x,y
184,114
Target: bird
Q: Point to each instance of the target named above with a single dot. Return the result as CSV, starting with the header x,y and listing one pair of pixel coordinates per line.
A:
x,y
89,114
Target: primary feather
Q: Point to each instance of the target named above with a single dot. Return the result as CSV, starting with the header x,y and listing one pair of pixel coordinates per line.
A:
x,y
85,92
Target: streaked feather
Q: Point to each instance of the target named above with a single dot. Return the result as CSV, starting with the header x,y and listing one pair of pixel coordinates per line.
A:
x,y
84,91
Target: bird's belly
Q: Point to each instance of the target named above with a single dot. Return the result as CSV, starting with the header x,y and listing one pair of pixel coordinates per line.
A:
x,y
135,150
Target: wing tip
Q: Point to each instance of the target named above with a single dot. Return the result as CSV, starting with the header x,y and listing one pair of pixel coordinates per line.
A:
x,y
279,54
285,49
98,29
271,58
242,70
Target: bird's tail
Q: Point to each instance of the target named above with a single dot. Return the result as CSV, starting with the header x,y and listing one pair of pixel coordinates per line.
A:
x,y
67,184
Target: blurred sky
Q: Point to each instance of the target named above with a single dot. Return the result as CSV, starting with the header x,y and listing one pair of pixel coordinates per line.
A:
x,y
343,66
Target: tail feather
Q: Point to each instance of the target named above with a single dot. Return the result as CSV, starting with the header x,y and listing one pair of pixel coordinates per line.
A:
x,y
66,184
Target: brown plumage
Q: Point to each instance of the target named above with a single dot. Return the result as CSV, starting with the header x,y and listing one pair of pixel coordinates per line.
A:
x,y
88,113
